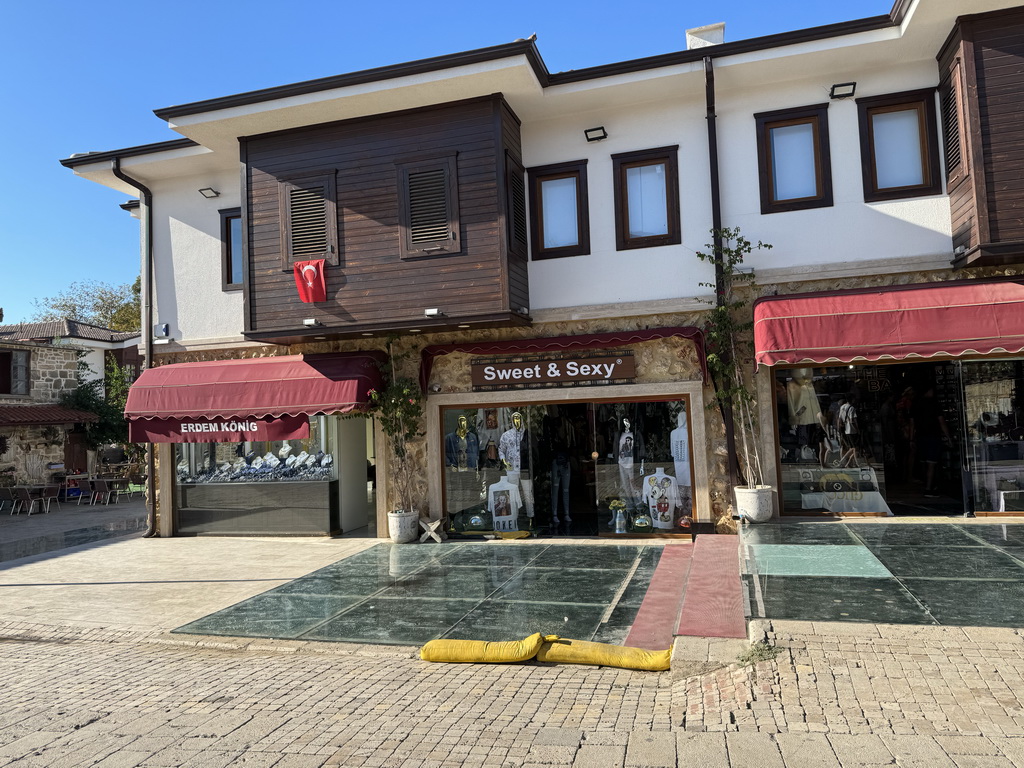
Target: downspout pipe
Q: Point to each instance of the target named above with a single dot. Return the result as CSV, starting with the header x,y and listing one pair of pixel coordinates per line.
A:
x,y
147,325
716,229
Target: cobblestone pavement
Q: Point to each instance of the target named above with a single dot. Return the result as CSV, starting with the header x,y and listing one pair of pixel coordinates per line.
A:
x,y
837,695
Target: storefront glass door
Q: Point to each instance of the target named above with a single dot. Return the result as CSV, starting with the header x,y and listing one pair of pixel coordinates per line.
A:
x,y
569,468
994,427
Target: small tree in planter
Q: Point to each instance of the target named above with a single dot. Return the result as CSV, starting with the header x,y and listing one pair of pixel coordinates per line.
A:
x,y
398,406
727,331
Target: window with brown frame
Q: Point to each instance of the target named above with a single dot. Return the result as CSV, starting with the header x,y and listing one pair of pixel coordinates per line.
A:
x,y
646,188
793,160
899,145
231,249
309,220
428,205
559,210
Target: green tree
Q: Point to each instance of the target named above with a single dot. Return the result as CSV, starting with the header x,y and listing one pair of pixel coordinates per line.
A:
x,y
91,301
108,405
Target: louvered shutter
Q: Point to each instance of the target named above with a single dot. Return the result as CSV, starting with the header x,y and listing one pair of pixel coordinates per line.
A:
x,y
428,206
309,227
950,103
516,207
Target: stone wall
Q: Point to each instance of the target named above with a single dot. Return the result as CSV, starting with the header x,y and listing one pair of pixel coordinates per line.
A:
x,y
53,371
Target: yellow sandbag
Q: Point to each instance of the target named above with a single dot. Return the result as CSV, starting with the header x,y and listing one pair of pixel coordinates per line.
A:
x,y
563,651
482,651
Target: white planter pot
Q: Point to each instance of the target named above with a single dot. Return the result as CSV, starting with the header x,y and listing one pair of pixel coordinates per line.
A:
x,y
403,527
754,504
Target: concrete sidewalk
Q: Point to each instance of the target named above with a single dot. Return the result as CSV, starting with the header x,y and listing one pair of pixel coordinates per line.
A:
x,y
90,676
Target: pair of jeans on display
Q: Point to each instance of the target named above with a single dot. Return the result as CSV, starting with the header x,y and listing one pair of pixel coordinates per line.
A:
x,y
560,480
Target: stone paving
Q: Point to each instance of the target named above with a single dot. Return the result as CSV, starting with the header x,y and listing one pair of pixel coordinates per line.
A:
x,y
129,699
91,676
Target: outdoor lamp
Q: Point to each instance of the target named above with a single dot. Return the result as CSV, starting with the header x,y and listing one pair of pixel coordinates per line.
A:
x,y
596,134
209,193
842,90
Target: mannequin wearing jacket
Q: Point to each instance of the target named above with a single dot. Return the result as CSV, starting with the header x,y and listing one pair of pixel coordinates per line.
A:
x,y
462,459
514,453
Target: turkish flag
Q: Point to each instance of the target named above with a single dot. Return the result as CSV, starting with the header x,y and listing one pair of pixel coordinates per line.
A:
x,y
311,281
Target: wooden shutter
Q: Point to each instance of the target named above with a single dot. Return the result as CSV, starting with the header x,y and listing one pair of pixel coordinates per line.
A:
x,y
309,226
951,104
428,206
516,213
19,372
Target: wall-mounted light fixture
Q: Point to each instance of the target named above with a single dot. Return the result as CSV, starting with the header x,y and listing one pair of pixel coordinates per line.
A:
x,y
842,90
311,322
596,134
433,312
209,193
162,330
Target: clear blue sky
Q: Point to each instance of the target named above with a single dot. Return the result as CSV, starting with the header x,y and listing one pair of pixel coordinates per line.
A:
x,y
82,76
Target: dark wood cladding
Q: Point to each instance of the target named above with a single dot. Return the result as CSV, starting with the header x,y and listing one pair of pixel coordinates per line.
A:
x,y
981,67
372,288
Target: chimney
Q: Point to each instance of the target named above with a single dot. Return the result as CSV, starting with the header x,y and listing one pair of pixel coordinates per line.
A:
x,y
702,37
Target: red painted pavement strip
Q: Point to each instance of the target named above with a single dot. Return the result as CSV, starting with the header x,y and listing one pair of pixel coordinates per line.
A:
x,y
655,621
713,603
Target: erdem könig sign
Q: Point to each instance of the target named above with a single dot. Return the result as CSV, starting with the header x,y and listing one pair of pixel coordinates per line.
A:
x,y
553,371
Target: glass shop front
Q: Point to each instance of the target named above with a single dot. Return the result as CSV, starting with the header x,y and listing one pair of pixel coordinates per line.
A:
x,y
322,484
586,468
923,438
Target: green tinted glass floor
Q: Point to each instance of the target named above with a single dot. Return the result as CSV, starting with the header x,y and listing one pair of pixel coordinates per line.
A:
x,y
413,593
967,574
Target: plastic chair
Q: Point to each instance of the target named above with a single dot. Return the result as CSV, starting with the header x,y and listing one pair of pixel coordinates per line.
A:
x,y
100,490
25,496
51,493
85,489
7,497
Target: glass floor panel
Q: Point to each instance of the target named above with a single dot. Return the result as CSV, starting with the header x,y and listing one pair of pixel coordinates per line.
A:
x,y
410,594
891,573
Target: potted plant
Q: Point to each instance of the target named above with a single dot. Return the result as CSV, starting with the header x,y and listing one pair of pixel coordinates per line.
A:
x,y
727,331
398,406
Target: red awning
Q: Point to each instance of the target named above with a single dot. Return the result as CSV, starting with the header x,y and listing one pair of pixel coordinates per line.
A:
x,y
913,321
237,393
42,415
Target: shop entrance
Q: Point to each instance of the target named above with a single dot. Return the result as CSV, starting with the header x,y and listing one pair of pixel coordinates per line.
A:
x,y
569,468
929,438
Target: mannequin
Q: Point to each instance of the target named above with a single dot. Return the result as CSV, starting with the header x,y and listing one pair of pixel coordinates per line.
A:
x,y
679,442
661,494
514,452
629,449
462,458
462,447
504,503
805,414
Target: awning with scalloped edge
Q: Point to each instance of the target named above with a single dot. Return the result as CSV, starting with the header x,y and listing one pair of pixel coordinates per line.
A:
x,y
950,319
266,398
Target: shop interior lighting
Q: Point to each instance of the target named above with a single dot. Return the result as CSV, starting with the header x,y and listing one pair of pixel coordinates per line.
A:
x,y
842,90
596,134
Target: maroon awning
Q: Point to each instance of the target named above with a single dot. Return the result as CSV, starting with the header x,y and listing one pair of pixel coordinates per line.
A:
x,y
558,343
229,396
895,323
42,416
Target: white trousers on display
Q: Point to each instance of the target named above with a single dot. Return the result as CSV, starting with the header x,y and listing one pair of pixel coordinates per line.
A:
x,y
525,489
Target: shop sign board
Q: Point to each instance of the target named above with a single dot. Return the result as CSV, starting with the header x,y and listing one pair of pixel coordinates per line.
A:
x,y
548,371
218,430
